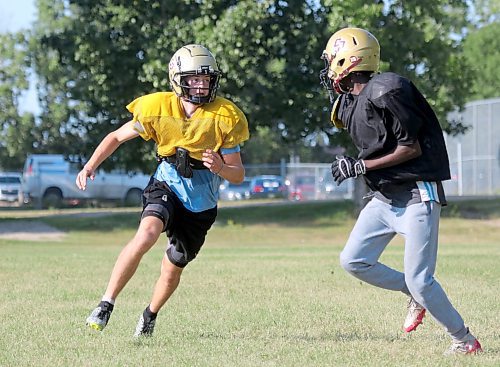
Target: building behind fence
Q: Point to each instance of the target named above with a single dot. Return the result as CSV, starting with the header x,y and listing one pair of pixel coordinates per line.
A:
x,y
475,155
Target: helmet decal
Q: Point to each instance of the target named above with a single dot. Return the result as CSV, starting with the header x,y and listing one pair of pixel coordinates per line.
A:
x,y
337,46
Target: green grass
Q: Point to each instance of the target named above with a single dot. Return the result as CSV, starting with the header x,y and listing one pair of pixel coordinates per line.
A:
x,y
266,290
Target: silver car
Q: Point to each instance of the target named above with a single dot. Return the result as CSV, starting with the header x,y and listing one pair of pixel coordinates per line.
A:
x,y
49,181
10,187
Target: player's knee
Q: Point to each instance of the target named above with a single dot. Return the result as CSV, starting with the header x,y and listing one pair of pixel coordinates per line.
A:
x,y
418,285
148,235
351,265
177,257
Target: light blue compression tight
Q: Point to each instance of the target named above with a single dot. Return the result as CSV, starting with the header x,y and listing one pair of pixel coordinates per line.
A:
x,y
418,223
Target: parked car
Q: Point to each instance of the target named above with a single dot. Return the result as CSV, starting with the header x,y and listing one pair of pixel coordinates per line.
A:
x,y
49,180
302,187
268,186
231,191
10,187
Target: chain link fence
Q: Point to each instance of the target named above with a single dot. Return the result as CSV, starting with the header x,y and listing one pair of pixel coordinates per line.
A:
x,y
305,181
474,161
475,155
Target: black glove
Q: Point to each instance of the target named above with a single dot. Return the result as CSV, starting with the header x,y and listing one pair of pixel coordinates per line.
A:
x,y
345,167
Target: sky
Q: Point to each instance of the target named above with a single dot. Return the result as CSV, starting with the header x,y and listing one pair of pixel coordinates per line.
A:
x,y
14,16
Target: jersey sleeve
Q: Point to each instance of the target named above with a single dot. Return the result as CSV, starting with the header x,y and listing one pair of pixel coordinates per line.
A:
x,y
236,131
401,103
142,124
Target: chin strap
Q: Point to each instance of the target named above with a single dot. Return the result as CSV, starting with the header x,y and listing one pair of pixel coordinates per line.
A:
x,y
334,115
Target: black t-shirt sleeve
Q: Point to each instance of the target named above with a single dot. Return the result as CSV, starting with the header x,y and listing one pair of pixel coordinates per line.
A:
x,y
407,118
399,101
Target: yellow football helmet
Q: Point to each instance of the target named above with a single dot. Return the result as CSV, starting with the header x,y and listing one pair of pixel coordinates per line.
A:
x,y
348,50
193,60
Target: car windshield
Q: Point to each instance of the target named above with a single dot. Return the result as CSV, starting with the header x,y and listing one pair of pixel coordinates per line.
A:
x,y
10,180
245,183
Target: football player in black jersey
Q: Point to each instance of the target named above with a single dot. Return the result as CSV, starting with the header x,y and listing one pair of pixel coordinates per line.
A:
x,y
403,159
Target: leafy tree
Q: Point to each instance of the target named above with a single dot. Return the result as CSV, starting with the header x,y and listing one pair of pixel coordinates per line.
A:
x,y
264,147
482,52
17,127
268,51
486,12
92,57
416,40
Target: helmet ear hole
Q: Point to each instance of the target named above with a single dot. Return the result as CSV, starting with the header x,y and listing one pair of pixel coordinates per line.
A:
x,y
341,62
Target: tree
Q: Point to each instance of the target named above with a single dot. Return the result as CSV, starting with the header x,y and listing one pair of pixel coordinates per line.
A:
x,y
264,147
92,57
17,127
417,41
268,52
482,52
486,12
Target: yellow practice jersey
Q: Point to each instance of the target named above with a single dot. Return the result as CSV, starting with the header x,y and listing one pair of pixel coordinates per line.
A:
x,y
215,125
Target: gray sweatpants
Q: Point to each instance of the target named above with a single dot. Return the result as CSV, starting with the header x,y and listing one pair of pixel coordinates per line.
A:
x,y
418,223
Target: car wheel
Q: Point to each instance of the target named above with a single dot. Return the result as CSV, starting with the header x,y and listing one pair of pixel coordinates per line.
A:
x,y
52,198
133,198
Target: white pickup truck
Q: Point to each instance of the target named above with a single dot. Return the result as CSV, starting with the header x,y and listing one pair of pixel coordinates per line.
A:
x,y
49,180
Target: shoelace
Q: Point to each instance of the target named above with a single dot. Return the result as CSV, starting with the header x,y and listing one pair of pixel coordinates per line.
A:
x,y
103,314
412,305
460,346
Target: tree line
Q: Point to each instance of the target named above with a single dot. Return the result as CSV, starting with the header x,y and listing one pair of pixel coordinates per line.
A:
x,y
92,57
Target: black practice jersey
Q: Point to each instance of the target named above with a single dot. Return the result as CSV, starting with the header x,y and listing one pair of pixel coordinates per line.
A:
x,y
390,111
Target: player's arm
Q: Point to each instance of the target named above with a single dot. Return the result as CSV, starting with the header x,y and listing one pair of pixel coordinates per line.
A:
x,y
345,167
228,166
407,122
107,146
400,154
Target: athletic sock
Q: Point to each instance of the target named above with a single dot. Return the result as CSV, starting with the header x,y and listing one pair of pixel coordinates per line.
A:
x,y
108,299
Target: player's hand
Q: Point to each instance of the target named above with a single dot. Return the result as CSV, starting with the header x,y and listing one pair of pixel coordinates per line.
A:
x,y
213,161
345,167
81,178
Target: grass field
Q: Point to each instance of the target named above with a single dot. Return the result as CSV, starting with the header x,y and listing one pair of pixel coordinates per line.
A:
x,y
266,290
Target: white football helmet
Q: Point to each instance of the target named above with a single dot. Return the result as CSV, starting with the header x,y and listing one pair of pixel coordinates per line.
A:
x,y
193,60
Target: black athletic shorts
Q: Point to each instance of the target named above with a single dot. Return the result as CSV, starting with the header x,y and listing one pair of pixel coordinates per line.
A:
x,y
186,230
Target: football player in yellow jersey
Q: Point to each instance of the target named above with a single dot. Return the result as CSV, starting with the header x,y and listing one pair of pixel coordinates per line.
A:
x,y
198,138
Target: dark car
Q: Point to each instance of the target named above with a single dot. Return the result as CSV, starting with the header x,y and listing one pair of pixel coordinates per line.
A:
x,y
231,191
268,186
